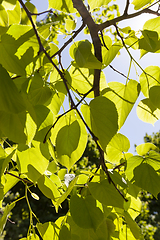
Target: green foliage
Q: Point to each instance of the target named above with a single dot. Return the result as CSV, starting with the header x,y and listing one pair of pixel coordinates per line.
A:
x,y
48,138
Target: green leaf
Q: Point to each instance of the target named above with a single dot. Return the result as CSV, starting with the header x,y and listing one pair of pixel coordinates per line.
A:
x,y
40,95
9,4
98,3
123,96
16,133
31,7
4,217
44,121
116,147
153,159
10,181
81,52
70,25
110,54
10,99
146,178
65,195
101,116
3,17
48,230
32,156
85,213
106,193
82,80
139,4
152,24
67,141
147,111
136,231
102,232
10,61
62,5
70,137
31,128
154,94
149,78
149,41
15,14
132,163
65,233
144,148
48,188
125,233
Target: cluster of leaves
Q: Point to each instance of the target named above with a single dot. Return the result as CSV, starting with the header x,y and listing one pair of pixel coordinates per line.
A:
x,y
103,201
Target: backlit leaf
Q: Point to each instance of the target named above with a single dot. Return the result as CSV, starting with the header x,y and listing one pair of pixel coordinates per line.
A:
x,y
139,4
85,213
98,3
62,5
81,52
147,111
4,217
48,188
10,99
82,80
154,94
146,177
144,148
101,116
149,78
32,156
116,147
123,96
106,193
70,137
48,230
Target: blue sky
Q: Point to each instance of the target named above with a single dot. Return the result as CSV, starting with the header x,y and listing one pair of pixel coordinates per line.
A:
x,y
133,128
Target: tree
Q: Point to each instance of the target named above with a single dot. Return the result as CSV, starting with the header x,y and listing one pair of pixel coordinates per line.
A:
x,y
103,202
149,217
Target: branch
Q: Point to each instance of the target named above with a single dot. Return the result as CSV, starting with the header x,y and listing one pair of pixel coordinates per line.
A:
x,y
47,11
118,71
126,8
75,107
23,180
93,28
69,41
33,25
124,17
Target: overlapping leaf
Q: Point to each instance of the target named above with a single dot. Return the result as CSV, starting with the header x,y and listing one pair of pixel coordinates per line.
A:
x,y
124,97
101,116
82,80
116,147
85,213
106,193
149,78
139,4
62,5
98,3
81,52
147,111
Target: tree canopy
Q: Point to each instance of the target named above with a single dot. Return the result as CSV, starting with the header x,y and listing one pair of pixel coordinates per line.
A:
x,y
47,111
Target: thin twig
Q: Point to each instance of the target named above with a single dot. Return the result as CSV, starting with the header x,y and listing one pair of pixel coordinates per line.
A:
x,y
104,44
69,40
124,17
118,71
126,8
47,11
23,180
75,107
